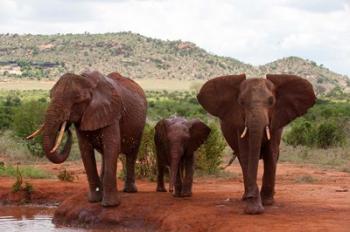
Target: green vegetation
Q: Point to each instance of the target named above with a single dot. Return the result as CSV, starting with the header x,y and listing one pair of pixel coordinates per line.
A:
x,y
25,172
326,125
66,176
146,158
306,179
209,155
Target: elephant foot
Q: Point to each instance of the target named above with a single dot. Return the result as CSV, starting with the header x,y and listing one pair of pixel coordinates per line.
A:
x,y
177,194
95,195
186,194
267,200
110,200
160,188
244,197
130,188
186,191
254,206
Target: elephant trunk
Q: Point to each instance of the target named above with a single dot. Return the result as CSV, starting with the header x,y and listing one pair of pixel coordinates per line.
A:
x,y
175,155
256,127
55,122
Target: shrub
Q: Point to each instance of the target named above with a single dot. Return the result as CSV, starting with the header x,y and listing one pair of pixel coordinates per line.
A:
x,y
323,135
27,119
301,132
209,155
146,162
66,176
330,134
146,166
7,108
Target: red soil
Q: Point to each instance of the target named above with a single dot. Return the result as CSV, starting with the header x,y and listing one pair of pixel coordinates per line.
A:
x,y
215,205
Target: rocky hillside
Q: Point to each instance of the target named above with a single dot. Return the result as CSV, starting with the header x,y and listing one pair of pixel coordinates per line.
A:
x,y
137,56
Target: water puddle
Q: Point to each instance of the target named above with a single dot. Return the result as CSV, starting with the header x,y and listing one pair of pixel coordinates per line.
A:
x,y
34,218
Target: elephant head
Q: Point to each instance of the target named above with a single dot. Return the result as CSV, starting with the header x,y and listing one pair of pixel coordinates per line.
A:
x,y
180,138
88,100
255,110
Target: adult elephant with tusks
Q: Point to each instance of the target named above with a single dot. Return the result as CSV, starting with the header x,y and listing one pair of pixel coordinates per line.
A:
x,y
252,115
109,114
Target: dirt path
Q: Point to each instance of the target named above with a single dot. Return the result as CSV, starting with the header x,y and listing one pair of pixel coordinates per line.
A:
x,y
323,205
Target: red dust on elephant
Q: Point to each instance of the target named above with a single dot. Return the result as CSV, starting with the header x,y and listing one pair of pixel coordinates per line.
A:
x,y
252,115
176,140
108,113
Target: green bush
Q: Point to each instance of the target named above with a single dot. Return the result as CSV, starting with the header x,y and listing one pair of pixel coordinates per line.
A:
x,y
323,135
27,119
330,134
301,132
146,166
7,107
209,155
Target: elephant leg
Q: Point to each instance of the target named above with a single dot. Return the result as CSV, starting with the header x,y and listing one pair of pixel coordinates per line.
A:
x,y
244,166
160,177
129,185
111,144
188,180
268,184
102,171
88,157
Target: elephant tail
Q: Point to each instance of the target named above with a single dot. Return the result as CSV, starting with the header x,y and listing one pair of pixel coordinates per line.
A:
x,y
231,160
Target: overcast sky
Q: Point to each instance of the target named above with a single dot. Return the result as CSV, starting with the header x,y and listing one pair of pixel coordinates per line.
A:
x,y
253,31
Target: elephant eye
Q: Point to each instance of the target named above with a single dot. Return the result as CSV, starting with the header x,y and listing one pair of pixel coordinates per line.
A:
x,y
271,101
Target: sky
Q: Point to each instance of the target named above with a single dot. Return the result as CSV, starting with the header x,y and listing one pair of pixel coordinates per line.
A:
x,y
253,31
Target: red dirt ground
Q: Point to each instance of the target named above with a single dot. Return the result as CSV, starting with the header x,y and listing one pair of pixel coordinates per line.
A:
x,y
323,205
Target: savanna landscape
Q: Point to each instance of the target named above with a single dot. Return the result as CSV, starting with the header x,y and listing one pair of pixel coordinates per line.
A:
x,y
313,175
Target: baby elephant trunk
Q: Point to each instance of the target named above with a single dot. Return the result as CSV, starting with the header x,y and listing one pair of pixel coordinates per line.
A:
x,y
175,155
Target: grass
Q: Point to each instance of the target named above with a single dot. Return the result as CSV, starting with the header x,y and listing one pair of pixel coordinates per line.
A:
x,y
14,149
26,172
306,179
336,158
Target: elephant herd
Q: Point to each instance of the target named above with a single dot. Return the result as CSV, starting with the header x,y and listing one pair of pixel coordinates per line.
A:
x,y
109,114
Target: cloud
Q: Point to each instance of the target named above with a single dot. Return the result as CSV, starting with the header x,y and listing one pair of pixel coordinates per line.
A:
x,y
255,32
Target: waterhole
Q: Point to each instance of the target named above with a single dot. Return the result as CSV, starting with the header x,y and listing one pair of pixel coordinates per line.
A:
x,y
39,219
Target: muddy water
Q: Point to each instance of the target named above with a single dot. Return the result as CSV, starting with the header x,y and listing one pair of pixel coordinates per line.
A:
x,y
34,218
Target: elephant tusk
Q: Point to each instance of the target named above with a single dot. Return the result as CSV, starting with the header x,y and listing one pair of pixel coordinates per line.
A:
x,y
244,132
268,135
59,138
35,133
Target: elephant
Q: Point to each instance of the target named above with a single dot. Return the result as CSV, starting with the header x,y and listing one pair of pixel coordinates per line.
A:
x,y
252,115
176,140
109,114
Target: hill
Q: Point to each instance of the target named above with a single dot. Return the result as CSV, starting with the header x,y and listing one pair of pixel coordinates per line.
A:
x,y
140,57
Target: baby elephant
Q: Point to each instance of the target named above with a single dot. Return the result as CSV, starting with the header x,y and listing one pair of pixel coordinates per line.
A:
x,y
176,140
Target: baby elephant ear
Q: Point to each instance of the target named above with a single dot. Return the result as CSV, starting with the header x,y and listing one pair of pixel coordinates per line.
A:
x,y
294,96
105,106
219,95
199,132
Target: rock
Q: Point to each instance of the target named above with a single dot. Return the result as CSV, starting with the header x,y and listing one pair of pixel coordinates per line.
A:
x,y
76,211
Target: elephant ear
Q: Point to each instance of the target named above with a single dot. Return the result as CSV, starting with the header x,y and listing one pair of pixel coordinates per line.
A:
x,y
105,106
294,96
199,132
219,95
